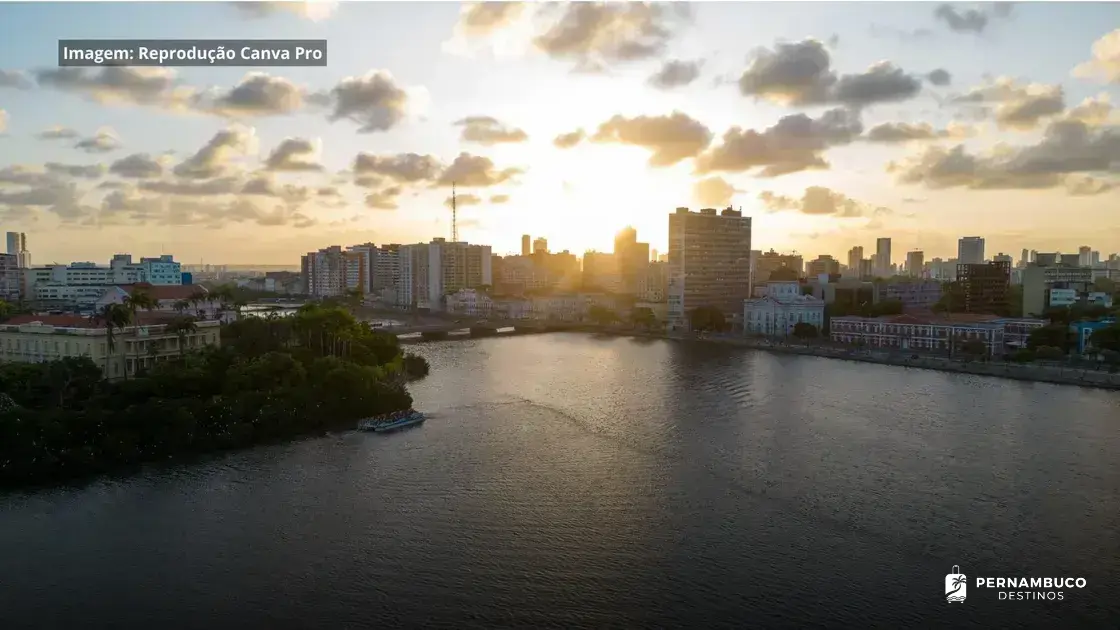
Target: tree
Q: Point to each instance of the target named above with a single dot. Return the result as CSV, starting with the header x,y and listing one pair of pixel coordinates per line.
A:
x,y
805,330
114,317
1107,338
1052,335
182,326
5,310
706,318
643,317
1049,353
974,347
601,315
138,299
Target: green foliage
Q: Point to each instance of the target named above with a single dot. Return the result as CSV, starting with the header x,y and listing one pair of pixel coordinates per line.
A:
x,y
1049,353
974,347
1052,335
274,378
415,366
601,315
805,330
1107,338
1023,355
643,317
706,319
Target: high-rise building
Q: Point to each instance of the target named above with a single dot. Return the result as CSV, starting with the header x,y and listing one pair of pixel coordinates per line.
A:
x,y
540,245
601,272
368,253
855,255
631,258
985,287
709,263
1002,257
915,262
1094,259
525,251
824,265
970,250
431,271
1084,254
331,272
17,246
1026,259
883,257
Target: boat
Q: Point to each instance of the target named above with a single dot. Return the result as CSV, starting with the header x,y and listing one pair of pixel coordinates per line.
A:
x,y
392,422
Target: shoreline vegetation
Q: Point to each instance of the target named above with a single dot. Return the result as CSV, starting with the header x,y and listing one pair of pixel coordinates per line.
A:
x,y
272,379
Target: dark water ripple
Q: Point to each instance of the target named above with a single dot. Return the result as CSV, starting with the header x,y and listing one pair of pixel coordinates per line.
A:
x,y
571,482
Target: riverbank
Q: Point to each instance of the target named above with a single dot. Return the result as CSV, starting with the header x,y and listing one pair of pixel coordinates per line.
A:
x,y
1060,375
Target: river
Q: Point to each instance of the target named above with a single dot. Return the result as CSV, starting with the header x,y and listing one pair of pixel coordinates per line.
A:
x,y
570,481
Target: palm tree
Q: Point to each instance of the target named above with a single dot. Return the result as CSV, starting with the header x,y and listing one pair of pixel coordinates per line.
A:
x,y
113,317
138,299
182,326
182,305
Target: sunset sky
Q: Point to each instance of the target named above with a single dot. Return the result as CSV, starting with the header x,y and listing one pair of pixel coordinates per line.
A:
x,y
830,124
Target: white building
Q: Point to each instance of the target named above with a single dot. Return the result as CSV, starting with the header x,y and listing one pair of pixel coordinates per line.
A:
x,y
82,283
1069,297
471,303
782,308
431,271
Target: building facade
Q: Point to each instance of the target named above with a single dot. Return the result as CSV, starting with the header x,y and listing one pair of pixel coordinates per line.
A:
x,y
11,278
906,332
985,287
914,295
1040,279
80,284
781,310
709,263
970,250
915,263
883,257
41,338
631,258
332,272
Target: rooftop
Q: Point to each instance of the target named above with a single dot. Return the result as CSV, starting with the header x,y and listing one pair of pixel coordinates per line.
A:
x,y
932,320
143,318
166,291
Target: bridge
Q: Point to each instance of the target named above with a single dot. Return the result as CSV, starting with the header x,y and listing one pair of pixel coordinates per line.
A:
x,y
489,328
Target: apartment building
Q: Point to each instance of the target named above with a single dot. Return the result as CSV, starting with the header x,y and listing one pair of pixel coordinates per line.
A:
x,y
985,287
970,250
883,257
332,272
80,284
431,271
709,263
601,271
631,258
11,278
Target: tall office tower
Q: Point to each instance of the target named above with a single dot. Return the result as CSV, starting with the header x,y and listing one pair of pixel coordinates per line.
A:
x,y
1095,259
855,255
1083,255
883,257
631,257
709,263
525,251
14,242
1034,255
915,260
1026,259
970,250
540,245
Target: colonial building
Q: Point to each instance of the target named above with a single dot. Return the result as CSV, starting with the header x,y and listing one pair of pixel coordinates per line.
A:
x,y
41,338
781,309
906,332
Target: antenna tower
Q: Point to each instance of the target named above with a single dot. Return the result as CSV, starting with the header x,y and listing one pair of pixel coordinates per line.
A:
x,y
454,217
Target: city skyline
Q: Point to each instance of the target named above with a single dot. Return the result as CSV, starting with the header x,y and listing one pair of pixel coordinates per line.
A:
x,y
785,115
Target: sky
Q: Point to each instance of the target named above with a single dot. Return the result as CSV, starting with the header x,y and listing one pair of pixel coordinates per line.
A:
x,y
831,124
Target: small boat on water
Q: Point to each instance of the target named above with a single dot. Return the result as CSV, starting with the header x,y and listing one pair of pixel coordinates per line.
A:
x,y
392,421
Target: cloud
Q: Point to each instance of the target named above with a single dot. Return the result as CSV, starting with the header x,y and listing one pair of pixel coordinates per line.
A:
x,y
670,138
475,171
466,199
257,94
313,10
569,140
891,133
1092,111
1105,61
14,79
88,171
137,166
596,34
214,158
819,200
489,131
191,188
713,191
3,121
939,77
384,199
675,73
57,133
59,197
1069,147
263,185
794,144
800,73
1087,186
497,199
374,101
104,141
964,21
294,154
113,84
479,19
403,168
183,211
1020,107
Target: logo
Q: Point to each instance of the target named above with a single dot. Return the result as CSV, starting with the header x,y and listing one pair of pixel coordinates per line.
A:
x,y
956,586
